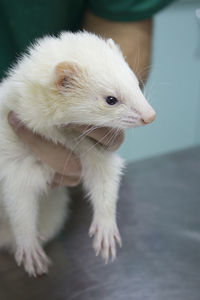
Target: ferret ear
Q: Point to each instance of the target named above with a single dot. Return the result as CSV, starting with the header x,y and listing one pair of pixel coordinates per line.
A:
x,y
111,43
113,46
66,74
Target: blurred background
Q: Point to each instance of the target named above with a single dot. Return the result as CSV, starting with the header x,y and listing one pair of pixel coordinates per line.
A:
x,y
173,87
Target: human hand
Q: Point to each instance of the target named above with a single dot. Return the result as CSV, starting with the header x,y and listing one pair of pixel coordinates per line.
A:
x,y
56,155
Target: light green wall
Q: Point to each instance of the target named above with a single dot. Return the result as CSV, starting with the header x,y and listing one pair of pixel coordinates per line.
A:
x,y
173,87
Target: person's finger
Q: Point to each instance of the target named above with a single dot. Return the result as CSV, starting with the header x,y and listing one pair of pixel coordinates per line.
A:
x,y
61,180
108,137
61,159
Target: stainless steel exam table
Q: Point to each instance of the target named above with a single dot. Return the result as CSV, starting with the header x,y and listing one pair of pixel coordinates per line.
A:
x,y
159,221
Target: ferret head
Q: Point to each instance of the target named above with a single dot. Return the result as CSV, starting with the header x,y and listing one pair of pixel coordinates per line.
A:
x,y
91,83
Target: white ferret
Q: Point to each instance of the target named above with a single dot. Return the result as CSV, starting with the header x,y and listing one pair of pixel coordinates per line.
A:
x,y
74,78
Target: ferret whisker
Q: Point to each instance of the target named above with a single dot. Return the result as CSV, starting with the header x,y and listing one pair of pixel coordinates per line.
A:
x,y
76,145
143,70
64,167
86,132
148,93
108,141
142,84
113,137
98,142
137,56
69,156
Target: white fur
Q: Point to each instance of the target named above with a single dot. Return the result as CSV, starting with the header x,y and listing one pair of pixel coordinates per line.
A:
x,y
30,209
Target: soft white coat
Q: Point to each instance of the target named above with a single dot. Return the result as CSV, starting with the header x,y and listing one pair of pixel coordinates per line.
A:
x,y
63,80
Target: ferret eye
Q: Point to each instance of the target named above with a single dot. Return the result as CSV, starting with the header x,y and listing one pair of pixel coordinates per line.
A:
x,y
111,100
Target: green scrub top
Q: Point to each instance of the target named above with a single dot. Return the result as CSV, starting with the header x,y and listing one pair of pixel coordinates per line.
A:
x,y
22,21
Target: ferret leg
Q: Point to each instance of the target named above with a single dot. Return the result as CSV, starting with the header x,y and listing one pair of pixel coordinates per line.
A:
x,y
53,211
20,191
101,176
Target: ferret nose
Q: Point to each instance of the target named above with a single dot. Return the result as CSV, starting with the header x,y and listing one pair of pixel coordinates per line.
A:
x,y
148,118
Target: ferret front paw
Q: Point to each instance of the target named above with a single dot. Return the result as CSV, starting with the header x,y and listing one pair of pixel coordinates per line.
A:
x,y
33,258
106,235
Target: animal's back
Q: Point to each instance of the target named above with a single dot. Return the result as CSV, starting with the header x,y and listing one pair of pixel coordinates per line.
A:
x,y
15,154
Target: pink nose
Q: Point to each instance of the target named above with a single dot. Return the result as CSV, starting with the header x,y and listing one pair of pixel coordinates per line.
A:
x,y
148,118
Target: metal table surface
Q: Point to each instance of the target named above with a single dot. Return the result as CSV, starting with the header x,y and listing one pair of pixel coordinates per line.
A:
x,y
159,221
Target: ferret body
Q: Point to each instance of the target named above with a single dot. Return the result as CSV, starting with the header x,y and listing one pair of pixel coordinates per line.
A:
x,y
74,78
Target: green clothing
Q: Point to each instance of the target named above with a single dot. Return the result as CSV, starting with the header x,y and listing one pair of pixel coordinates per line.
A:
x,y
22,21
